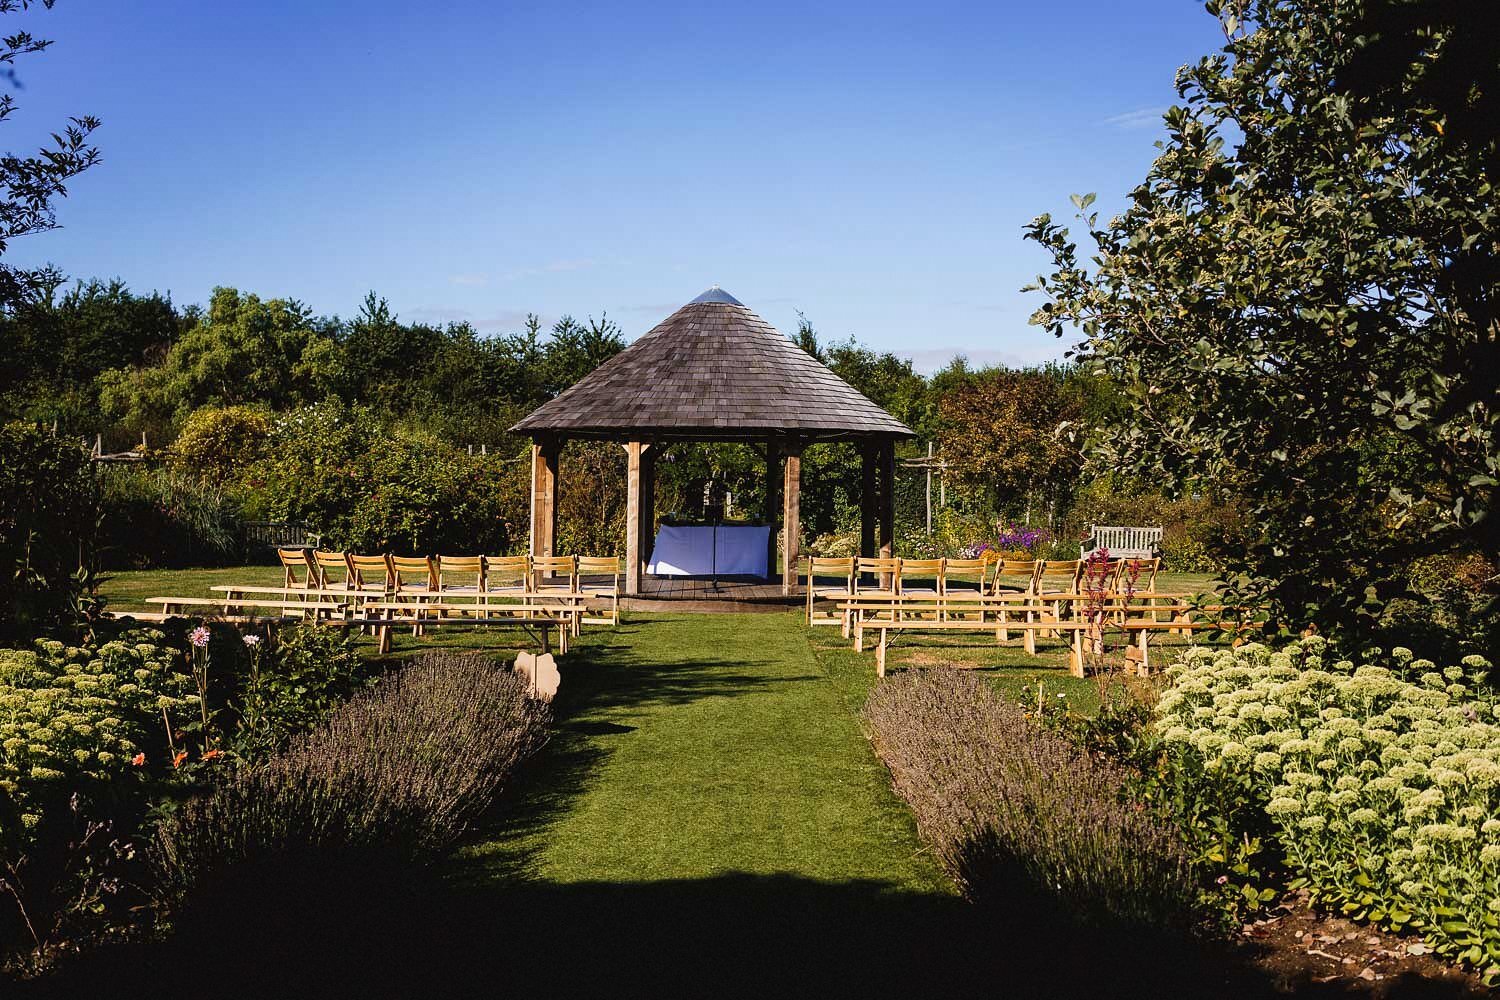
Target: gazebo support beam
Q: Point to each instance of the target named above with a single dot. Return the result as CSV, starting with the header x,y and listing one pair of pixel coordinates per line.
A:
x,y
639,490
791,517
773,503
544,460
887,534
869,506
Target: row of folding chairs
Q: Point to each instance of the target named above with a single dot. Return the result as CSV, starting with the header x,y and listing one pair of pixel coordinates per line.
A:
x,y
416,576
865,576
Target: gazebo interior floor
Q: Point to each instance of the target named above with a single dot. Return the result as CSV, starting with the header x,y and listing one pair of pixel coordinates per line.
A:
x,y
703,593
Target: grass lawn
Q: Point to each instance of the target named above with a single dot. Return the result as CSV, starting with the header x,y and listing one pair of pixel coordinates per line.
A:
x,y
708,818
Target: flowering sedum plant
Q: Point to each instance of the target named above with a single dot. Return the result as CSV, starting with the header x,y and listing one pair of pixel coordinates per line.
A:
x,y
1381,780
75,719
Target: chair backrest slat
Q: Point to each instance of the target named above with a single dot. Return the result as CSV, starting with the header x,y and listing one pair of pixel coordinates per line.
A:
x,y
369,572
413,572
452,569
1057,576
881,566
297,568
507,571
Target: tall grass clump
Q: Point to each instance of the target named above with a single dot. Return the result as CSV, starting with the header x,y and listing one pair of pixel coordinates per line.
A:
x,y
395,775
1017,814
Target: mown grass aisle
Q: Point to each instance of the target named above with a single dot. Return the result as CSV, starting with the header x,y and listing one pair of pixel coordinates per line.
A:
x,y
692,746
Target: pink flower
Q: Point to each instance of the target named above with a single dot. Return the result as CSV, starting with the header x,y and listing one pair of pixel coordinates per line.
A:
x,y
199,637
251,640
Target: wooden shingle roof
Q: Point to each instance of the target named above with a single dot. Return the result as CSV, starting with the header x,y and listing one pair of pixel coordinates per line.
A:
x,y
713,370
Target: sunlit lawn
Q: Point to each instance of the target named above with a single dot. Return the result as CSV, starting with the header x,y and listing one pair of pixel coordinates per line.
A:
x,y
691,745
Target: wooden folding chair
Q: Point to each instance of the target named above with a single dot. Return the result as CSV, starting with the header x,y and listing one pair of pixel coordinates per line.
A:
x,y
886,573
413,577
965,576
554,574
298,571
608,588
460,574
841,573
507,576
919,578
1013,574
371,574
334,572
1055,576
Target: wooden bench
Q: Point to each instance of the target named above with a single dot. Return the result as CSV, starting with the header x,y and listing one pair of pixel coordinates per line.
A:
x,y
289,609
383,615
896,614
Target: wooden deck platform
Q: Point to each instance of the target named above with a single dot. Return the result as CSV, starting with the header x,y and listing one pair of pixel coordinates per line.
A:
x,y
701,593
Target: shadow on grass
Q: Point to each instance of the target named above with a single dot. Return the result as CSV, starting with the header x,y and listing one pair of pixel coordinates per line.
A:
x,y
377,933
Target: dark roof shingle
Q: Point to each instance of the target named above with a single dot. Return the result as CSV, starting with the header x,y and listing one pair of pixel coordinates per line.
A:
x,y
713,369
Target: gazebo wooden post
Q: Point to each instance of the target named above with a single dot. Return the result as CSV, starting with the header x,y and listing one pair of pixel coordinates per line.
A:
x,y
648,505
791,516
773,502
887,478
544,455
638,474
869,506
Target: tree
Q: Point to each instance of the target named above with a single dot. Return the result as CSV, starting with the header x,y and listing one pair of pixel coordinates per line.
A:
x,y
1302,296
242,350
1007,430
29,185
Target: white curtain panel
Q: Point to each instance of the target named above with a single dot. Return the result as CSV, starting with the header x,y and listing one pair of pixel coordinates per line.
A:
x,y
689,550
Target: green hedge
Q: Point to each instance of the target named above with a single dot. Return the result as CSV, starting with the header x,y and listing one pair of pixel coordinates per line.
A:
x,y
47,515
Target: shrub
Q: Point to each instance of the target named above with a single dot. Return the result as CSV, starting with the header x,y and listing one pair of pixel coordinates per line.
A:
x,y
72,720
1010,808
1196,530
293,684
1382,781
397,772
218,443
407,495
47,516
161,518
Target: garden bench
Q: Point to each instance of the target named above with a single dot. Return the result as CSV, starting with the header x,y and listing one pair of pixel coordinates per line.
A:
x,y
946,613
289,608
382,615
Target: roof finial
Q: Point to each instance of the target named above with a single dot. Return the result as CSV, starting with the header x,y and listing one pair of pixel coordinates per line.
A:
x,y
717,294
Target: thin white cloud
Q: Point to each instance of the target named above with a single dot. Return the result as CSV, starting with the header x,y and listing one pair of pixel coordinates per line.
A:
x,y
551,267
470,280
937,358
1139,118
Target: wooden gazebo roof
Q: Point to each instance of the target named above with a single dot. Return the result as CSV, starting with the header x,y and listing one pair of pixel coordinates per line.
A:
x,y
713,370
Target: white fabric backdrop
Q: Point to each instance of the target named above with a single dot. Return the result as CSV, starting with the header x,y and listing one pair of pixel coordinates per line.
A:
x,y
687,550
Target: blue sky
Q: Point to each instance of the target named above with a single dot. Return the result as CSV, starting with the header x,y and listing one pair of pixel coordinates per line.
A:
x,y
870,165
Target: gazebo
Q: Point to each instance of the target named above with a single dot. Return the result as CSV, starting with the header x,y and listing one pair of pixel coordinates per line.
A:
x,y
714,371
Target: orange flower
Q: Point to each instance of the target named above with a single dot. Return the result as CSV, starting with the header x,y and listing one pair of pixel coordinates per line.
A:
x,y
179,758
139,760
211,754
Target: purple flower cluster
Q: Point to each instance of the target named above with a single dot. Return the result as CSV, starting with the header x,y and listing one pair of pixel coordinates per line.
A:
x,y
1016,537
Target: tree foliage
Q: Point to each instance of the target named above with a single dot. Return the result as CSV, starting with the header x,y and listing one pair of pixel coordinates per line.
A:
x,y
30,185
1302,295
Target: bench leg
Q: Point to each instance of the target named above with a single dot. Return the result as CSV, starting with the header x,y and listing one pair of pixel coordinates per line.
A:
x,y
562,642
384,632
1029,639
880,656
1145,664
1075,654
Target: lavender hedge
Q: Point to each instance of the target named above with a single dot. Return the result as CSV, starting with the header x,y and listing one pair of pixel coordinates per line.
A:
x,y
1015,812
398,771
